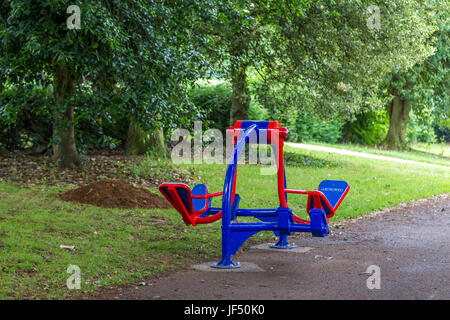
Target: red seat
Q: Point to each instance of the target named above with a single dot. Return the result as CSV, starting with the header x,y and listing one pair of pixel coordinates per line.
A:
x,y
192,204
328,197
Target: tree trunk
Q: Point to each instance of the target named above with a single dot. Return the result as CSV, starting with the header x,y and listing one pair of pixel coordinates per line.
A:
x,y
141,142
240,99
398,111
64,148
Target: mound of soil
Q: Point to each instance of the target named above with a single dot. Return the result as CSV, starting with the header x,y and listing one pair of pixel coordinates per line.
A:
x,y
115,194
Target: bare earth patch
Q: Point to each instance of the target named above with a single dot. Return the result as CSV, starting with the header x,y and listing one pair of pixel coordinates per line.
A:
x,y
25,170
115,194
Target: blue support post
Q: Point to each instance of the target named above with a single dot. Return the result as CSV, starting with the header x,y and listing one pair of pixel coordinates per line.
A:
x,y
283,243
227,248
285,220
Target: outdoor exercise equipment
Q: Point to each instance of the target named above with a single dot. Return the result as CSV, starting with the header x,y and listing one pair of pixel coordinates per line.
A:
x,y
195,205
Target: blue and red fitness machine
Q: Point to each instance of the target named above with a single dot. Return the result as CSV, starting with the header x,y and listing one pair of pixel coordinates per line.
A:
x,y
195,205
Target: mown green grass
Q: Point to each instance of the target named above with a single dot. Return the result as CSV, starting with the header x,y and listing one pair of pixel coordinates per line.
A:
x,y
438,153
115,246
112,246
441,149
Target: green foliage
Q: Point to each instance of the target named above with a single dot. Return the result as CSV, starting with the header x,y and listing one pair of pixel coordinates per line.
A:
x,y
214,103
368,128
420,131
137,59
329,60
438,73
426,84
312,128
256,111
128,58
24,120
442,133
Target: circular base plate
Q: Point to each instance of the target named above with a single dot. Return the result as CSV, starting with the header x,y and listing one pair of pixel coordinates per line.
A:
x,y
233,265
286,246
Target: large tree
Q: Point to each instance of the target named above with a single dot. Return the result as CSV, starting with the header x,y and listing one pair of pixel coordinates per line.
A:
x,y
322,55
138,54
240,28
423,87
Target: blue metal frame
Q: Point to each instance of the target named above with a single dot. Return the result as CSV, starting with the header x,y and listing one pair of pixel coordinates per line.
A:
x,y
195,205
279,220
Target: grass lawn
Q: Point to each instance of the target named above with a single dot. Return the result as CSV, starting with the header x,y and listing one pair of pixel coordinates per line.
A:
x,y
438,153
441,149
115,246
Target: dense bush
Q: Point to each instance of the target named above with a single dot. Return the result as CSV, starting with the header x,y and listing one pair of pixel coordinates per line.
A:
x,y
214,103
369,128
257,112
312,128
99,130
420,130
26,121
442,133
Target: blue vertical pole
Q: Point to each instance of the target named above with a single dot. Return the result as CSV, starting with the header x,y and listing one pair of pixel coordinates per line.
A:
x,y
226,262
